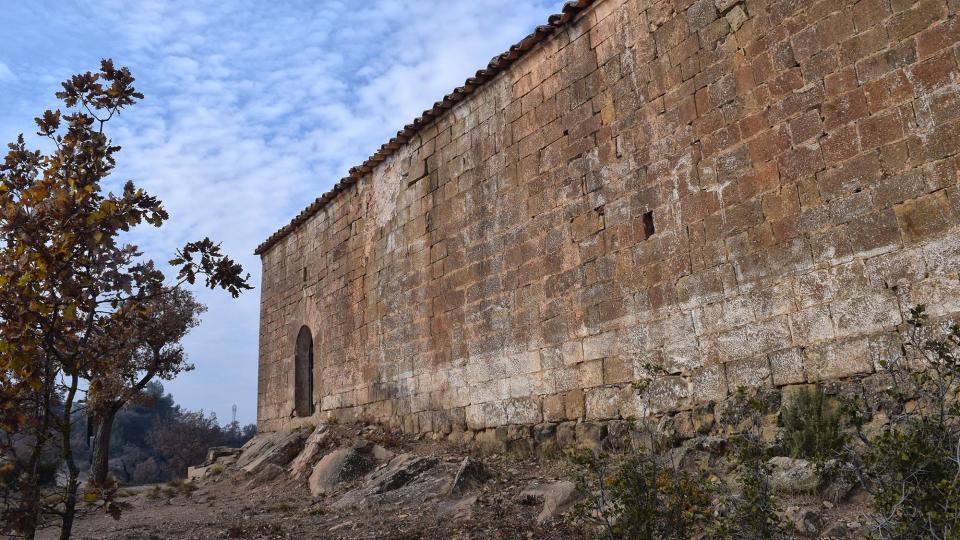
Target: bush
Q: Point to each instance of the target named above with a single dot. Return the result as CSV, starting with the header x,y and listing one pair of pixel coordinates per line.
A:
x,y
643,493
813,427
912,467
915,473
754,512
639,496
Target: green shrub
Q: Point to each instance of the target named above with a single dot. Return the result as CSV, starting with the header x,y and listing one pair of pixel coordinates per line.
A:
x,y
646,494
642,493
753,513
813,427
912,467
639,496
917,488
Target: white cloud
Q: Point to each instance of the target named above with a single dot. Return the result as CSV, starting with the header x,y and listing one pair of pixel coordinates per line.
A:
x,y
254,109
5,73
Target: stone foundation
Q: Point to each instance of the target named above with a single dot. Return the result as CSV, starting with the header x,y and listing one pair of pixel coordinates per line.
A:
x,y
709,420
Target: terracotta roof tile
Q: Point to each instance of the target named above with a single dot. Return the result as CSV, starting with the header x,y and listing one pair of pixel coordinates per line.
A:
x,y
496,65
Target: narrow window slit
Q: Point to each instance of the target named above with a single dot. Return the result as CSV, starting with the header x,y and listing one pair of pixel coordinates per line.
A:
x,y
648,228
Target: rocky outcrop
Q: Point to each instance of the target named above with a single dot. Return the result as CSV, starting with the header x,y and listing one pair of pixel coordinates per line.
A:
x,y
557,498
470,473
315,443
404,477
345,464
367,475
215,453
277,448
335,467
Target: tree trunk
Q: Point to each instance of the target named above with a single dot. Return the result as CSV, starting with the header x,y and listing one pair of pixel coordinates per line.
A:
x,y
100,455
70,506
31,494
70,496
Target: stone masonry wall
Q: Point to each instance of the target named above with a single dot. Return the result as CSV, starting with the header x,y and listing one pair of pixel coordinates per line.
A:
x,y
743,193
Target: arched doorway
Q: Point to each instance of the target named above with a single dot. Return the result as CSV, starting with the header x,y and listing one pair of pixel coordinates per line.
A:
x,y
303,374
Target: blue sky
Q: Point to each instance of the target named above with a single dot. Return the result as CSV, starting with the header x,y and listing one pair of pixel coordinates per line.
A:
x,y
252,109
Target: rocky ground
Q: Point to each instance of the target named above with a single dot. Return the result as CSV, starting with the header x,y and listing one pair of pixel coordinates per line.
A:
x,y
347,481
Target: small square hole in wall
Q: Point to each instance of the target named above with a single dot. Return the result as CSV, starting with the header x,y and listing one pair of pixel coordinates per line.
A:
x,y
648,228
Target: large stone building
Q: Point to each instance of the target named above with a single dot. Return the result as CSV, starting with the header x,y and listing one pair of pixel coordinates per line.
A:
x,y
741,192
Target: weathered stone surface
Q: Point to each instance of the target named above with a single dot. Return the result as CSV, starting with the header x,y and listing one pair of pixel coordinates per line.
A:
x,y
310,453
708,187
708,384
399,472
557,498
216,452
278,448
566,434
840,359
712,445
604,402
590,434
338,466
470,474
839,480
786,366
195,474
804,519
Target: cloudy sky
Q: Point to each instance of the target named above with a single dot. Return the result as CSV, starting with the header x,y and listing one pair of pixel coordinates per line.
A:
x,y
252,109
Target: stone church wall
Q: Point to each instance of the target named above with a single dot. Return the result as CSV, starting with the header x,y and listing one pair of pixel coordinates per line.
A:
x,y
746,193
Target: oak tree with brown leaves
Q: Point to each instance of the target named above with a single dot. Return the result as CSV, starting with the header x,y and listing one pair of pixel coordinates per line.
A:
x,y
76,302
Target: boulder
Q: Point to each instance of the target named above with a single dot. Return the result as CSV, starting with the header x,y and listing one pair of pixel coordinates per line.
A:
x,y
214,453
195,474
301,465
789,475
278,448
401,472
804,520
557,497
470,474
338,466
265,474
